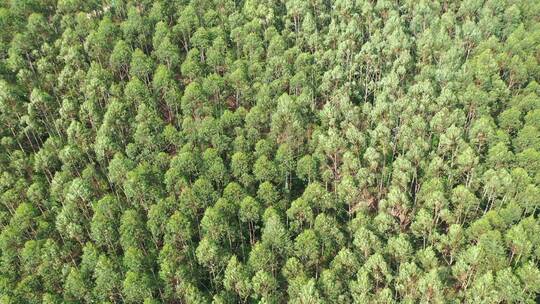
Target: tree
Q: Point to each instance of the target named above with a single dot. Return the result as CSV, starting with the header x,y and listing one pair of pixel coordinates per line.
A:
x,y
142,186
120,59
75,288
100,42
213,257
237,279
191,68
510,120
135,28
306,248
183,165
141,66
267,194
308,294
288,121
168,94
104,226
193,101
132,231
107,280
264,284
530,279
167,53
240,164
301,215
187,22
527,138
306,168
214,167
265,169
136,287
250,213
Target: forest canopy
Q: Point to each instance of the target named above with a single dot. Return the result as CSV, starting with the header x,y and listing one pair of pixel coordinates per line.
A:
x,y
264,151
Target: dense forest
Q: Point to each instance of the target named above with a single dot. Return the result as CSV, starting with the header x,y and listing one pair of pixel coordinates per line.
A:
x,y
264,151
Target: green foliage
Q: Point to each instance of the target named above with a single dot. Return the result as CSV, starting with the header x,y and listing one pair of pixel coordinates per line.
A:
x,y
269,152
